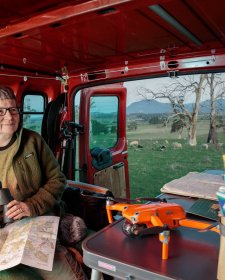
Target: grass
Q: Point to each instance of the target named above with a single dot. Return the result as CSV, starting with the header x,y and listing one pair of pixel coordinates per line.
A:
x,y
150,168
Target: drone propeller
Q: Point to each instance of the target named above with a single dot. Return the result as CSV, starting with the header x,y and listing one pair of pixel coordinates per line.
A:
x,y
111,198
156,199
151,199
121,199
125,199
139,199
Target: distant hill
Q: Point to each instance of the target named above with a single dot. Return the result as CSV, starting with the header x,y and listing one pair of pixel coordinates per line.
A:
x,y
149,107
156,107
220,106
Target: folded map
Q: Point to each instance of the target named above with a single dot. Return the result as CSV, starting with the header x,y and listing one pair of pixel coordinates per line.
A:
x,y
30,241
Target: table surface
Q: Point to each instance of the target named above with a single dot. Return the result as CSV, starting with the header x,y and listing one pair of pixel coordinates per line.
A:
x,y
192,254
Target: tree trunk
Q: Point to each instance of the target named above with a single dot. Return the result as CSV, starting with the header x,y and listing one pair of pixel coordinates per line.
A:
x,y
212,135
193,129
192,134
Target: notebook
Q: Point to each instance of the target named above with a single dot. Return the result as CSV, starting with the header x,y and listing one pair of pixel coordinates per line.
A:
x,y
205,208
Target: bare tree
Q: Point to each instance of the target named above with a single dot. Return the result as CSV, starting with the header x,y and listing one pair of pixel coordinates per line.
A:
x,y
216,91
198,89
176,93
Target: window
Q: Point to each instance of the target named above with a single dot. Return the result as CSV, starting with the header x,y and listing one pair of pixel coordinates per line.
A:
x,y
33,111
174,126
103,121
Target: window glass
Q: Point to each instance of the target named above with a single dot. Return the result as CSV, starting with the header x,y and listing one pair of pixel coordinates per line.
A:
x,y
103,121
33,110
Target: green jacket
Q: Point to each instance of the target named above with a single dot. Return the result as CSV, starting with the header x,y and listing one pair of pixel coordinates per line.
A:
x,y
40,183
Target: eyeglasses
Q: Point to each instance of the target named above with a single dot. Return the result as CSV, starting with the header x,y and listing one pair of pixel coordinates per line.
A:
x,y
12,111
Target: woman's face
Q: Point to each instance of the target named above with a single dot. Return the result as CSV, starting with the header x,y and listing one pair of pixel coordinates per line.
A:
x,y
9,122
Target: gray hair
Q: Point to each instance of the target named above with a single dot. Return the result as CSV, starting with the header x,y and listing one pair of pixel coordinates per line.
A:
x,y
6,93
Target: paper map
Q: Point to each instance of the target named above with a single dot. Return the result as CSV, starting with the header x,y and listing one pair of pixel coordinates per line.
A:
x,y
30,241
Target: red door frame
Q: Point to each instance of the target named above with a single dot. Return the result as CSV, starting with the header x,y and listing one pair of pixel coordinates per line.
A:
x,y
119,152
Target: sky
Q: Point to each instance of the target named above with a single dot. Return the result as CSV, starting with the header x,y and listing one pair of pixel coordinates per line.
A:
x,y
154,84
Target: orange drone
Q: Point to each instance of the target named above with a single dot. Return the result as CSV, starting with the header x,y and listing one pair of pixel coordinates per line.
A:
x,y
158,217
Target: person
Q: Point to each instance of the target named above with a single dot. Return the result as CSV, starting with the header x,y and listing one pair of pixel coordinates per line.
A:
x,y
32,174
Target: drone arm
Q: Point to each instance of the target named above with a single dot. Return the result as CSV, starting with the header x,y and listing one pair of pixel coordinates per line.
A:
x,y
155,220
111,207
198,225
109,214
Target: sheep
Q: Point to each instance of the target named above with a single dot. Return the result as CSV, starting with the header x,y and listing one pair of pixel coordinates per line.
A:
x,y
205,146
177,145
162,147
134,143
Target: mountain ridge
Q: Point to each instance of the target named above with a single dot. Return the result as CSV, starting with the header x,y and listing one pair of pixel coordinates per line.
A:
x,y
156,107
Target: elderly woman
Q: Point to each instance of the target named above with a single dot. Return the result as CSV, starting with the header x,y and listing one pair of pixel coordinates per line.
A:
x,y
32,174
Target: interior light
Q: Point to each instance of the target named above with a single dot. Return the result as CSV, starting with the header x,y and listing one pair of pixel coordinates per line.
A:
x,y
173,22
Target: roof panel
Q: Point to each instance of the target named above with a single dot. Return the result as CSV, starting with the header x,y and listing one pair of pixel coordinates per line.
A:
x,y
96,34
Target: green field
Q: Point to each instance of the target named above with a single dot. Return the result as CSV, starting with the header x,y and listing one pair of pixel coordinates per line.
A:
x,y
150,168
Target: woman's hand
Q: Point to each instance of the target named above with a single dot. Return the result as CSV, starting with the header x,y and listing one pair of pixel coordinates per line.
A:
x,y
17,210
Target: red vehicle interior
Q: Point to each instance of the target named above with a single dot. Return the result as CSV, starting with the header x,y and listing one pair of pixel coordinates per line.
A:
x,y
60,47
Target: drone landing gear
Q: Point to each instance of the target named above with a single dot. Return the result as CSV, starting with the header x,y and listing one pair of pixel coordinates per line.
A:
x,y
164,237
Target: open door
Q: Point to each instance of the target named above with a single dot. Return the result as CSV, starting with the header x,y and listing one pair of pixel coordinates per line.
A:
x,y
102,145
